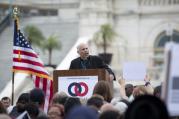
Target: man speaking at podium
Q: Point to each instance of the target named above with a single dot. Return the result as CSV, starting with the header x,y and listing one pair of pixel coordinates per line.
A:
x,y
86,61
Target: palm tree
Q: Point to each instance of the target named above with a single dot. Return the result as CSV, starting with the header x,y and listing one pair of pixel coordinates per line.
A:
x,y
50,44
104,36
34,35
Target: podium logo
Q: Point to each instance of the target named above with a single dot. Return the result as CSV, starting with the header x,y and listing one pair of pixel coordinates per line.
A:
x,y
78,89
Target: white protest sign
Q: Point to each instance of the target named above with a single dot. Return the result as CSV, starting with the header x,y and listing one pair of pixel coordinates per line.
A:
x,y
170,89
79,86
135,71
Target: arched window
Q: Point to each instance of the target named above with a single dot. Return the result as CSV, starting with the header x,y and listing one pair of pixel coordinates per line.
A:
x,y
159,45
158,49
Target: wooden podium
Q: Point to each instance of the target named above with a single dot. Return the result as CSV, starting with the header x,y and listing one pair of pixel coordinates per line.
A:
x,y
101,73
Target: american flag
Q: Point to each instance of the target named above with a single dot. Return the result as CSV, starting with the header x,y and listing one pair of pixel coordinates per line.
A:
x,y
27,61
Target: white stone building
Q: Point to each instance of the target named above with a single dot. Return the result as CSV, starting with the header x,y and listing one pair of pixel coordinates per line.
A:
x,y
141,25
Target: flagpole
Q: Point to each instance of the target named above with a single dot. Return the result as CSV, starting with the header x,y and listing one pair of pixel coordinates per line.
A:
x,y
15,16
12,88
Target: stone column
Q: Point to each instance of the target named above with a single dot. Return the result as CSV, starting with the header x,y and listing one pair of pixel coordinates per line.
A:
x,y
92,14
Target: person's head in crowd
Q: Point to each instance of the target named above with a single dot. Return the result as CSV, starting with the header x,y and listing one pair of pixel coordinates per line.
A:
x,y
103,88
147,107
98,96
110,114
4,116
120,104
129,89
22,101
83,50
106,107
82,112
37,96
70,103
121,107
157,91
59,98
56,111
140,90
95,102
32,110
2,109
6,101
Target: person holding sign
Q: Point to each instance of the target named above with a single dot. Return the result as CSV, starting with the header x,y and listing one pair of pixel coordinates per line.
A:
x,y
87,61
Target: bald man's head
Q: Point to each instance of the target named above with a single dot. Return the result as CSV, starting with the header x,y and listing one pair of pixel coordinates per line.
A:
x,y
83,50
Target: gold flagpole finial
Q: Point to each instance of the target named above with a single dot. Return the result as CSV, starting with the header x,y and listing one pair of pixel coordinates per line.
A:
x,y
15,12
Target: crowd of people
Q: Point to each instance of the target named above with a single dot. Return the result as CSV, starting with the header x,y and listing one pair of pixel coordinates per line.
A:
x,y
134,102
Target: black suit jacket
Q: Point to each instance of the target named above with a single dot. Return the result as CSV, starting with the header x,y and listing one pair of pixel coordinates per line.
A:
x,y
93,62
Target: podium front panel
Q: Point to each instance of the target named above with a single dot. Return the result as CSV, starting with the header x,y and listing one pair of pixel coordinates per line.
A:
x,y
101,73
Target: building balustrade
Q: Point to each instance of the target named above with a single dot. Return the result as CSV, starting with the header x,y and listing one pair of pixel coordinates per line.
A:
x,y
158,2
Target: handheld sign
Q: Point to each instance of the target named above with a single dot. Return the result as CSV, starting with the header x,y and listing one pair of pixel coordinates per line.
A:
x,y
134,71
170,87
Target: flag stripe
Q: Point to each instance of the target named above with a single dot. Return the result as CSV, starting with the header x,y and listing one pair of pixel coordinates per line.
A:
x,y
47,94
29,69
37,81
51,89
27,61
24,49
24,53
32,73
44,82
44,85
26,57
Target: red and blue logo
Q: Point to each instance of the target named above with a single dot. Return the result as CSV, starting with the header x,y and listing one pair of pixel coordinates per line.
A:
x,y
78,89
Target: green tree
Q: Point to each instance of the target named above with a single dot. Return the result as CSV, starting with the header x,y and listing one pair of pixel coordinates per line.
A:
x,y
104,36
34,35
50,44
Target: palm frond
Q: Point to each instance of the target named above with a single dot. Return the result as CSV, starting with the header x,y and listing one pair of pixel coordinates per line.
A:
x,y
34,35
104,36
